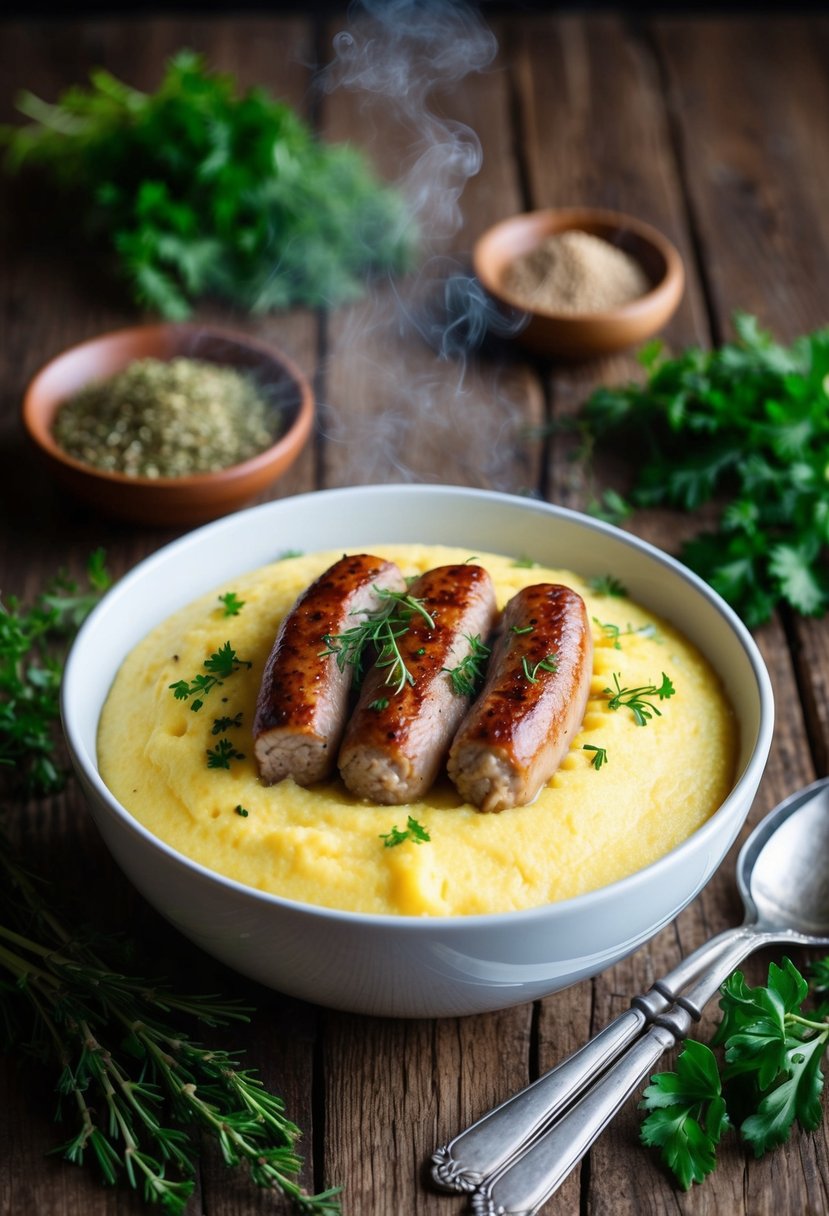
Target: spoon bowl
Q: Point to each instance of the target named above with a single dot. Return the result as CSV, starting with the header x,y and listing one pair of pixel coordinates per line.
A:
x,y
781,884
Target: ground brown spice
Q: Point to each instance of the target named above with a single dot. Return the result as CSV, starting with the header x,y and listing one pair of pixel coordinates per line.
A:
x,y
575,272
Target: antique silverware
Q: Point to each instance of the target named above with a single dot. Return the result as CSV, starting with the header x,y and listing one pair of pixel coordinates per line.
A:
x,y
518,1154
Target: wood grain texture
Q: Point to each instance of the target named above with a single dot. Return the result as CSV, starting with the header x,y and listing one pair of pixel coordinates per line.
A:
x,y
713,129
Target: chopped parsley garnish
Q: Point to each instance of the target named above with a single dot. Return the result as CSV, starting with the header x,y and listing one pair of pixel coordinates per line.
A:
x,y
599,756
232,605
524,563
468,675
220,725
531,670
242,810
607,584
221,755
288,553
639,700
520,629
219,666
381,630
379,704
414,831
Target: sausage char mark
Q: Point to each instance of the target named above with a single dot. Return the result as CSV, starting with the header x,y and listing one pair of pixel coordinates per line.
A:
x,y
396,741
303,698
533,701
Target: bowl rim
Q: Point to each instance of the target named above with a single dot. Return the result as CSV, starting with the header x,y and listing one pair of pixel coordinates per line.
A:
x,y
297,432
661,292
596,898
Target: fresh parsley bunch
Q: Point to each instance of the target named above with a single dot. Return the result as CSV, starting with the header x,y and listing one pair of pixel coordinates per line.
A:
x,y
747,423
771,1079
200,190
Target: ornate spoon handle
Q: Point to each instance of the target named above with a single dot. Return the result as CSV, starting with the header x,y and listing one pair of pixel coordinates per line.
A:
x,y
483,1148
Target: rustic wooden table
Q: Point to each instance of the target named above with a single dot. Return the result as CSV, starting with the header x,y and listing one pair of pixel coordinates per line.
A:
x,y
713,129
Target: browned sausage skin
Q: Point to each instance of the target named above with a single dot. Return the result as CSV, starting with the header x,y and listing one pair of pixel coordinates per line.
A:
x,y
303,697
396,741
532,703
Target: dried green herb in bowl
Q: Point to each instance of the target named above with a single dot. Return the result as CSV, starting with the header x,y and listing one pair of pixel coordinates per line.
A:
x,y
180,462
167,418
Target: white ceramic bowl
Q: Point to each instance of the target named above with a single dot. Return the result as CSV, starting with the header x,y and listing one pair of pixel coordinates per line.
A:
x,y
412,967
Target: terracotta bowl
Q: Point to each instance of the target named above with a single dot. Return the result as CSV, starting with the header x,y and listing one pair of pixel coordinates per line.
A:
x,y
169,501
583,335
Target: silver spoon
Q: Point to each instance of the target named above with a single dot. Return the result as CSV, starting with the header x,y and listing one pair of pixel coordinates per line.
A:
x,y
518,1154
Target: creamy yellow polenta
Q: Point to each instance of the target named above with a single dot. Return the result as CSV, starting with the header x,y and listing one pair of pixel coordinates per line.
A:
x,y
588,827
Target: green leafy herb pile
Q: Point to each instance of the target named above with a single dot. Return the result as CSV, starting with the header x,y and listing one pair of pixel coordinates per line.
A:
x,y
200,190
31,671
747,424
138,1090
771,1077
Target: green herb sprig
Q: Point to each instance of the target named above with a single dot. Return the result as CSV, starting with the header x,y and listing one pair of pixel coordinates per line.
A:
x,y
468,675
413,831
220,666
745,425
380,632
221,755
200,190
220,725
639,700
231,604
33,642
773,1051
607,584
614,633
139,1089
530,670
599,754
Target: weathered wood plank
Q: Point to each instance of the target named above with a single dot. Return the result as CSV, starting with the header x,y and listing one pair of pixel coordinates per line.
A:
x,y
51,301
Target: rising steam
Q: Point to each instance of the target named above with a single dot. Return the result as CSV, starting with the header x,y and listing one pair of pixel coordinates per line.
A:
x,y
398,57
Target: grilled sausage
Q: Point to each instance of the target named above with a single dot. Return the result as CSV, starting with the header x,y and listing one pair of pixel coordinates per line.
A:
x,y
303,697
396,741
532,703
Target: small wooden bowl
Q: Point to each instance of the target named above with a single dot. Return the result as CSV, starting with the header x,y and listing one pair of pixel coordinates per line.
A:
x,y
583,335
169,501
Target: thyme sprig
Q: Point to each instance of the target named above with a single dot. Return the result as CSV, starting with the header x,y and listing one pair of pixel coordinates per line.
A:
x,y
140,1089
142,1092
613,633
468,675
531,670
380,631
